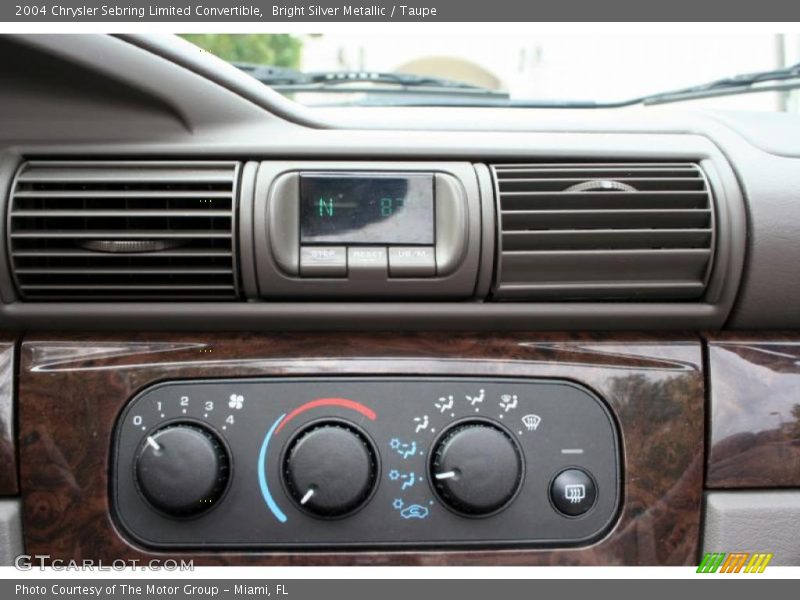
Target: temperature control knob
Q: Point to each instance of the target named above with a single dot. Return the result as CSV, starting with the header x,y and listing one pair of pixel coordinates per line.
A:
x,y
182,469
476,468
330,469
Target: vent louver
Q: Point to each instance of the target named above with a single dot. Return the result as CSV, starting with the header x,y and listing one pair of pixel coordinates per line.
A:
x,y
638,231
150,231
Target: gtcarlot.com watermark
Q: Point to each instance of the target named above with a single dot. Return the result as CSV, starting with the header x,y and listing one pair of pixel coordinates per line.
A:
x,y
28,562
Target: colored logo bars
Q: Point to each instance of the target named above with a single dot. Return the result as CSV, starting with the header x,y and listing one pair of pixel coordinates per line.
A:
x,y
734,562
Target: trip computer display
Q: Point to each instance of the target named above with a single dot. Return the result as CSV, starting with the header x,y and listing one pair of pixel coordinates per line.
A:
x,y
367,209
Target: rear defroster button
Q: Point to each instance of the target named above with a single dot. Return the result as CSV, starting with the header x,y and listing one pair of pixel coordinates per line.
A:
x,y
573,492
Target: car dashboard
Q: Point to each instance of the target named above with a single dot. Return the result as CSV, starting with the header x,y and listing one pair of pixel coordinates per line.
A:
x,y
246,332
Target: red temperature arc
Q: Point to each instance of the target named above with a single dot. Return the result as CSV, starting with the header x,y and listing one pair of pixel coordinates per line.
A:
x,y
343,402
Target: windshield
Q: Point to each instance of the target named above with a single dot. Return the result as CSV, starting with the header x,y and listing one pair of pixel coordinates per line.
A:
x,y
557,70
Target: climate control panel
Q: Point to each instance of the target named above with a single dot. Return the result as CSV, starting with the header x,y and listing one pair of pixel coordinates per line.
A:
x,y
365,462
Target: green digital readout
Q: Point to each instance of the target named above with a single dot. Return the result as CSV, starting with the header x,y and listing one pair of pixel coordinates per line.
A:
x,y
326,207
373,209
388,206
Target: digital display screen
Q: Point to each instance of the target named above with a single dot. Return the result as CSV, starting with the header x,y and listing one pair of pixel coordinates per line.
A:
x,y
369,209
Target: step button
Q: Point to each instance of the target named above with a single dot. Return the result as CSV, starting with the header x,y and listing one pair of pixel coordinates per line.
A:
x,y
323,261
412,261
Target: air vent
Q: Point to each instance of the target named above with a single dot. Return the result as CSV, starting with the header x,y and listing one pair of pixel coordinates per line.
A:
x,y
149,231
638,231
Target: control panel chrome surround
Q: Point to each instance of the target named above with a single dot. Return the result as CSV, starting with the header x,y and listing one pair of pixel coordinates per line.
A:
x,y
554,425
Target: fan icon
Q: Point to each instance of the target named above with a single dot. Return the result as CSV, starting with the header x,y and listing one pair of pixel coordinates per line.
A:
x,y
531,422
236,401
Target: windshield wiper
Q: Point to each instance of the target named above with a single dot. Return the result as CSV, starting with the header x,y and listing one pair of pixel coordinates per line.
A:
x,y
787,78
286,80
417,89
746,83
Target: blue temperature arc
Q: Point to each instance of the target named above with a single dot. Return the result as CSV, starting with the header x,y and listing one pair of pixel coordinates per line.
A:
x,y
262,476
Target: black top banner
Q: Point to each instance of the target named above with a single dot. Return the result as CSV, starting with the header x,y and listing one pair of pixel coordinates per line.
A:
x,y
43,11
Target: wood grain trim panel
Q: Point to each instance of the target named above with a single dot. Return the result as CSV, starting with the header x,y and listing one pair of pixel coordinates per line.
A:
x,y
9,485
73,388
755,410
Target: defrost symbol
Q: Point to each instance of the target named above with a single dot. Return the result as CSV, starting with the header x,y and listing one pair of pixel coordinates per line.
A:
x,y
531,422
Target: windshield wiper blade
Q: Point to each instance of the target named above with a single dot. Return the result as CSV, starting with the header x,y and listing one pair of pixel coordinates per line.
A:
x,y
291,80
402,79
746,83
759,81
271,75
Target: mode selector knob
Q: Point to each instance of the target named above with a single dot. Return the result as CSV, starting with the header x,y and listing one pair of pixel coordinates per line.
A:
x,y
182,469
330,469
476,468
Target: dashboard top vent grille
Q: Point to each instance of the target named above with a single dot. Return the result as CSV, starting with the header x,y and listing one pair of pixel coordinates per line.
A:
x,y
125,231
603,231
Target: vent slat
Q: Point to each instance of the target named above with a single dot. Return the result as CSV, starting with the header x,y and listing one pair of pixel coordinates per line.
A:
x,y
120,287
65,253
132,173
132,296
606,239
114,234
529,201
91,271
121,212
144,231
595,172
603,219
555,184
110,194
601,196
639,290
603,231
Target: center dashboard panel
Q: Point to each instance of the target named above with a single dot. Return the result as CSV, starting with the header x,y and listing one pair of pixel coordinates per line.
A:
x,y
366,230
366,462
412,244
404,448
